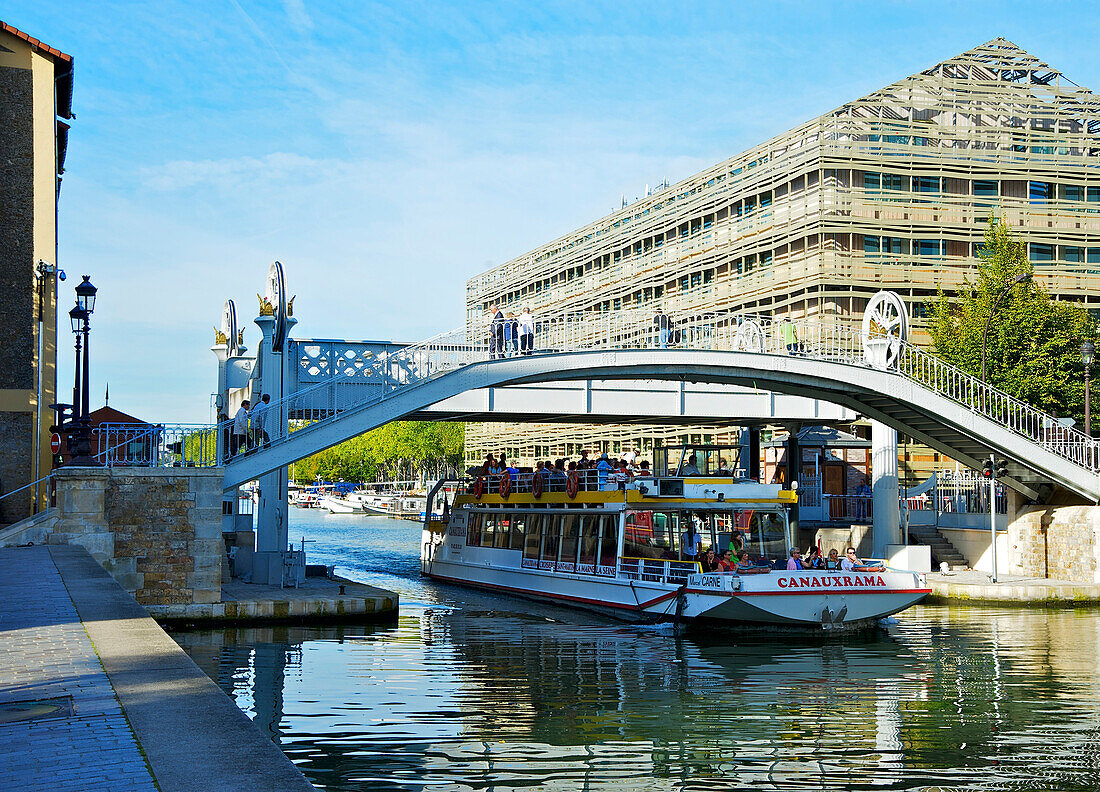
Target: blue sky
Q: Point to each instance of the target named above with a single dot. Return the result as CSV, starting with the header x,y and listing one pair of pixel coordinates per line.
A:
x,y
385,152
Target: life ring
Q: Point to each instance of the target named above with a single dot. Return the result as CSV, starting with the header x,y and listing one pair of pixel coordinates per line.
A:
x,y
572,485
536,486
505,488
479,487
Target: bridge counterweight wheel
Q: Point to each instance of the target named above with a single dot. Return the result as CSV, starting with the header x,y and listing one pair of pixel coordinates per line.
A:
x,y
885,329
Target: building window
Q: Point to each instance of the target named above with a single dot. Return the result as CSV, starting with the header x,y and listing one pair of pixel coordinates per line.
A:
x,y
871,244
1074,192
1075,254
1042,252
871,181
986,188
895,245
1093,194
893,181
928,247
1093,255
1038,192
926,184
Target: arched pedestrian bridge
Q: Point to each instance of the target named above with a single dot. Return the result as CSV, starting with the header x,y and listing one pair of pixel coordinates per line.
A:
x,y
873,371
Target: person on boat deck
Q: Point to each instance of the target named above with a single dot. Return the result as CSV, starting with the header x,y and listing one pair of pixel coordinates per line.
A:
x,y
726,563
813,560
749,566
690,543
723,468
708,562
557,476
795,561
833,561
513,471
603,468
526,331
853,563
691,468
643,470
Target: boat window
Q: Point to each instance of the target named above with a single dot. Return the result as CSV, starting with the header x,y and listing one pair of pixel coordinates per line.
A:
x,y
609,544
567,559
488,530
473,529
638,539
504,527
590,540
767,535
551,537
533,543
519,523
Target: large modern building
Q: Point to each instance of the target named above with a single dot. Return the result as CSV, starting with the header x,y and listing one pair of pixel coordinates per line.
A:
x,y
35,100
890,191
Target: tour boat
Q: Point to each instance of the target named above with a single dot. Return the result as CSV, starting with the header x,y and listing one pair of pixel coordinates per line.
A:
x,y
618,547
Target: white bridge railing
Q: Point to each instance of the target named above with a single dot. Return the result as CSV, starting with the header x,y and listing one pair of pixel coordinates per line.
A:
x,y
832,341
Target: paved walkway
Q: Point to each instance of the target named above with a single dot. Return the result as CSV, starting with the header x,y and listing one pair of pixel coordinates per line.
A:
x,y
68,629
976,586
46,654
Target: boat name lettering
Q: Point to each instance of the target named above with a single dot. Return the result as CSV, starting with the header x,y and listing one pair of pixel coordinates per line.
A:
x,y
546,565
530,563
456,530
607,571
711,581
838,581
586,569
456,547
564,566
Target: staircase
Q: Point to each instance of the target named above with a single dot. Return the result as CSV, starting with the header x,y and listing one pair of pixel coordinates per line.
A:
x,y
942,550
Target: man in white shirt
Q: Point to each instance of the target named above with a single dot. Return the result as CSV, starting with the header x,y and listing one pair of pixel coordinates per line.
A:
x,y
526,332
239,436
259,425
690,469
630,456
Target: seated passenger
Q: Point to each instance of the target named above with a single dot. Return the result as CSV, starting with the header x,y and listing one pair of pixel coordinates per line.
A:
x,y
853,563
795,560
750,566
691,468
707,561
814,559
643,470
833,561
726,562
723,468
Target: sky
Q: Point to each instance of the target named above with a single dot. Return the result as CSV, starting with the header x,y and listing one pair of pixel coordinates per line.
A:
x,y
386,152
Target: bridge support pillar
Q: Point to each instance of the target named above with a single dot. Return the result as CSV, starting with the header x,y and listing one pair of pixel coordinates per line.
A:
x,y
272,515
794,454
884,488
752,470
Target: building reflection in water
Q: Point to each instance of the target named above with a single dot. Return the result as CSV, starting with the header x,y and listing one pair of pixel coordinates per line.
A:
x,y
460,699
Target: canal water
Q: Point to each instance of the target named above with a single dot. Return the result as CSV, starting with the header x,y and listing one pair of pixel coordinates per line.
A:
x,y
468,691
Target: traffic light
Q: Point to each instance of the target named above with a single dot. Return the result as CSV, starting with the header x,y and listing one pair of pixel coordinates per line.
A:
x,y
1001,470
987,468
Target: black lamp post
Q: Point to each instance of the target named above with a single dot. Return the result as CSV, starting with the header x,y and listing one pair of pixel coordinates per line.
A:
x,y
80,436
1023,277
1087,352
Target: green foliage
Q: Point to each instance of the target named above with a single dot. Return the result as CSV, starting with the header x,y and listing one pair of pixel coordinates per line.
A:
x,y
396,451
1034,346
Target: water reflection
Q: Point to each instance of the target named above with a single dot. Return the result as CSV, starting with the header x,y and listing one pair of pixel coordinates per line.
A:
x,y
473,699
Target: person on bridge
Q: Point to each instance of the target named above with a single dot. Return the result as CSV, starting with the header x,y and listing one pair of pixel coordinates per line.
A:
x,y
496,333
790,336
239,437
511,335
259,423
526,332
660,324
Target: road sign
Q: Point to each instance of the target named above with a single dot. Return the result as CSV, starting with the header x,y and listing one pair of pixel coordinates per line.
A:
x,y
55,443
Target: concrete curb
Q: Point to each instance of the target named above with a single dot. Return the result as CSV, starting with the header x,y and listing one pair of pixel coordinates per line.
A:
x,y
194,737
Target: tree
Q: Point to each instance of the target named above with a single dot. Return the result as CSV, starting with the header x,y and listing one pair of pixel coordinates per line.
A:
x,y
1034,346
400,450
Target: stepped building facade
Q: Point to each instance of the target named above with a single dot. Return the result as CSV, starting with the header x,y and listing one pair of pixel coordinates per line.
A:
x,y
891,191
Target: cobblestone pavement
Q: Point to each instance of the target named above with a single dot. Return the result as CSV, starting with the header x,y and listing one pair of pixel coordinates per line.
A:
x,y
46,654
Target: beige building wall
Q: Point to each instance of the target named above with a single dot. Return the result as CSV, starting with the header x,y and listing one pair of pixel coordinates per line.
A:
x,y
891,191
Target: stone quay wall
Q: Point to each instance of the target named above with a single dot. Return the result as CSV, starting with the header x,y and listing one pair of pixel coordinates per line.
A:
x,y
156,530
1059,542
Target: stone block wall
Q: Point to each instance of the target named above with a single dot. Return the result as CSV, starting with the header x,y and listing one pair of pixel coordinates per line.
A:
x,y
1059,542
156,530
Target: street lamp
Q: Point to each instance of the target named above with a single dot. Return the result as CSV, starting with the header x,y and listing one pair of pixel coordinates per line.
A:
x,y
80,436
1023,277
1087,351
